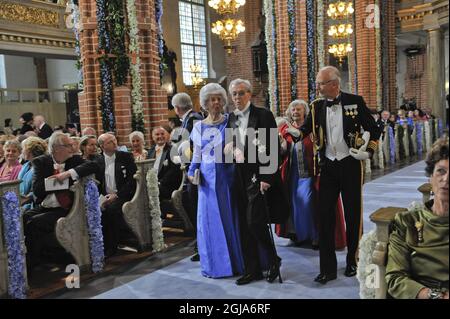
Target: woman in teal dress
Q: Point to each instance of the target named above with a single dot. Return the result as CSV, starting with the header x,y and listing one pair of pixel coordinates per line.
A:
x,y
217,221
31,147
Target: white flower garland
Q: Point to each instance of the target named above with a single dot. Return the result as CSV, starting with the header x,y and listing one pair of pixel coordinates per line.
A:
x,y
155,211
380,153
427,133
320,35
366,247
268,12
136,90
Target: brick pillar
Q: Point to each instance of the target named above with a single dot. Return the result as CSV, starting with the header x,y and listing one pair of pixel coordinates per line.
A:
x,y
365,56
389,56
302,39
283,55
154,98
416,79
239,63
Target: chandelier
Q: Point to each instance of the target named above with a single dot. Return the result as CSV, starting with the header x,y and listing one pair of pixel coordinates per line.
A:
x,y
196,78
340,51
226,6
228,30
340,30
340,10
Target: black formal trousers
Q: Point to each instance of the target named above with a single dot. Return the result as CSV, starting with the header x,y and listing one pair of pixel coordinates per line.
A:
x,y
254,228
345,177
113,224
39,228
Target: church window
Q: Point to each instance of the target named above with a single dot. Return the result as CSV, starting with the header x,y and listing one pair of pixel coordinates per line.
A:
x,y
194,49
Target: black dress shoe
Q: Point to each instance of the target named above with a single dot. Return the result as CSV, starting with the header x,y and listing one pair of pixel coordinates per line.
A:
x,y
350,270
274,272
324,278
196,257
248,278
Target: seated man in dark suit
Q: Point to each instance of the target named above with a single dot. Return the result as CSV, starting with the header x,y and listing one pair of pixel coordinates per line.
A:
x,y
169,173
61,164
44,130
118,186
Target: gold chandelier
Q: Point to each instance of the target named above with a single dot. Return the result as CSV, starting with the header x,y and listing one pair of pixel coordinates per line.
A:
x,y
228,30
340,31
340,10
196,78
340,50
226,6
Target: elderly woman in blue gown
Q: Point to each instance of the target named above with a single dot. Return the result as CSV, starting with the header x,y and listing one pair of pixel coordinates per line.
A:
x,y
218,230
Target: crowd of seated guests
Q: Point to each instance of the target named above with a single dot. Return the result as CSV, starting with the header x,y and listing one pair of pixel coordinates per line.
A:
x,y
42,152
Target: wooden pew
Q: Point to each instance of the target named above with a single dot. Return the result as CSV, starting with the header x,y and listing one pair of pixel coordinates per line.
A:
x,y
137,211
382,218
425,189
5,187
72,231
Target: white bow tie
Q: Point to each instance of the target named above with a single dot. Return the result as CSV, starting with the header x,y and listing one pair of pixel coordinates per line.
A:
x,y
238,113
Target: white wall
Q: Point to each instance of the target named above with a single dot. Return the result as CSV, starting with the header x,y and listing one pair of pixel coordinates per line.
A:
x,y
60,72
20,73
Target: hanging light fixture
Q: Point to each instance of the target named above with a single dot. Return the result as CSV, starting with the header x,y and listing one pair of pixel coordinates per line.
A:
x,y
228,30
340,30
340,10
196,78
226,6
340,50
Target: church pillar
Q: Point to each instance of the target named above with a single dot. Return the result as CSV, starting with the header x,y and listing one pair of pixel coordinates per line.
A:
x,y
436,73
154,99
41,74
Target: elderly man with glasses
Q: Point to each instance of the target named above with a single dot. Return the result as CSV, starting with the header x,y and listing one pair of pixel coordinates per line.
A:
x,y
60,164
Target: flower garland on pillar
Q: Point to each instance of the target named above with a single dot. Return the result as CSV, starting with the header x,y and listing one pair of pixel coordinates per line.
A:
x,y
155,211
94,222
76,31
291,7
106,99
158,15
12,225
104,45
320,34
137,121
270,32
311,48
117,30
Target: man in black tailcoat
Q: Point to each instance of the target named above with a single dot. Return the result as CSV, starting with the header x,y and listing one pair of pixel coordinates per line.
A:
x,y
337,121
256,152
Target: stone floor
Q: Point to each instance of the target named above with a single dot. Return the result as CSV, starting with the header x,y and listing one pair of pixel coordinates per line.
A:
x,y
171,275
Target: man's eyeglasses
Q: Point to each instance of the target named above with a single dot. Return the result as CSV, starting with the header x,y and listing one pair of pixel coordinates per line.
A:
x,y
240,93
323,83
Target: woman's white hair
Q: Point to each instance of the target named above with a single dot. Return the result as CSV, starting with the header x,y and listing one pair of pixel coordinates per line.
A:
x,y
212,89
139,134
294,104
